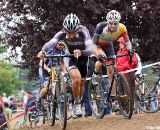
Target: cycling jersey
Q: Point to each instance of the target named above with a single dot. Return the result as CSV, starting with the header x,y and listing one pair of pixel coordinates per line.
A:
x,y
82,41
103,36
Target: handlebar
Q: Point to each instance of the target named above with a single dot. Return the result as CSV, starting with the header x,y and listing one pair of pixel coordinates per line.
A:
x,y
115,57
58,56
112,58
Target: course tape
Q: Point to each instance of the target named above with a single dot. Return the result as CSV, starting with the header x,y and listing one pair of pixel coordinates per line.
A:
x,y
131,70
21,114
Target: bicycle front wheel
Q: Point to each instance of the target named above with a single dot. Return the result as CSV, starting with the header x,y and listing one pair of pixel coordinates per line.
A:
x,y
124,96
61,103
51,108
96,97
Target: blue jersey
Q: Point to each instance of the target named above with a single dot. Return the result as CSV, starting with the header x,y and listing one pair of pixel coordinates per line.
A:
x,y
54,51
31,102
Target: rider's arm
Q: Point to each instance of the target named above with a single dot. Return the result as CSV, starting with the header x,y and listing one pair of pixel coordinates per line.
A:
x,y
125,36
95,38
128,43
96,52
88,43
40,62
53,41
89,48
45,66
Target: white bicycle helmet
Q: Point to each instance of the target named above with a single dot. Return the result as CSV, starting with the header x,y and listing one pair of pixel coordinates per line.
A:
x,y
113,16
71,23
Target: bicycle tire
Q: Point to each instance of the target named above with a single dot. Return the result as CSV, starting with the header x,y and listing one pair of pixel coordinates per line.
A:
x,y
61,103
97,98
147,102
125,104
51,108
69,99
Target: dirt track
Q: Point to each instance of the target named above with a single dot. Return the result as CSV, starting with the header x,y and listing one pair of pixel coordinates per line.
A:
x,y
112,122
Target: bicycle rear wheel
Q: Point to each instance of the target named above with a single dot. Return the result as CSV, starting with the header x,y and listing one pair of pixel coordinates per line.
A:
x,y
61,103
96,97
148,99
124,96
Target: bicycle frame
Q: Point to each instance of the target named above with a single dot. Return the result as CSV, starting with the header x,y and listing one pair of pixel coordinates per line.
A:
x,y
115,74
57,88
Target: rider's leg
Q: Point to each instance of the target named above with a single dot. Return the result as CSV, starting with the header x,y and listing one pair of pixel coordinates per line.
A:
x,y
76,88
98,64
43,75
110,76
76,83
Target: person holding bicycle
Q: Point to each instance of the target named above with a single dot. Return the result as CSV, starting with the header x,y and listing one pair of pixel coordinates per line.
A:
x,y
78,42
105,37
57,48
123,65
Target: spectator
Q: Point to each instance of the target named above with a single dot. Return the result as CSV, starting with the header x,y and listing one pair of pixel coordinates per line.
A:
x,y
8,113
31,100
85,99
25,98
2,116
5,99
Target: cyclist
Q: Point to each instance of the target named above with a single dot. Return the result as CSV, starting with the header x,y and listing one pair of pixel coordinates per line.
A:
x,y
105,34
79,43
58,48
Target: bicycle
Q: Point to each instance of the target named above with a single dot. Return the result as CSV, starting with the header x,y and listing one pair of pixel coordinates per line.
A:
x,y
149,98
100,98
36,115
57,89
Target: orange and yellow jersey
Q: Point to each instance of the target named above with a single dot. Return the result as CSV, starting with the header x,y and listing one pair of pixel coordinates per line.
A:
x,y
103,36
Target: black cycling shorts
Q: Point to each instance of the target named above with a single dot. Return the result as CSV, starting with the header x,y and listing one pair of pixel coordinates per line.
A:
x,y
81,64
109,50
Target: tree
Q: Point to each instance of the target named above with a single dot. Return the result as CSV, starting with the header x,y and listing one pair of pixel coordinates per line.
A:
x,y
39,20
11,78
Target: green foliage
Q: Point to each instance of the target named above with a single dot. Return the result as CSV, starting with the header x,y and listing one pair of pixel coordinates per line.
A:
x,y
11,79
3,49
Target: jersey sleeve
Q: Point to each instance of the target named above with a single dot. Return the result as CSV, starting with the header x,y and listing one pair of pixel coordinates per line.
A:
x,y
58,36
88,42
98,31
123,29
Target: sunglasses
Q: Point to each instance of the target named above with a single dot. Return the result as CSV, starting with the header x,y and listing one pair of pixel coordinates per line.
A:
x,y
113,23
61,45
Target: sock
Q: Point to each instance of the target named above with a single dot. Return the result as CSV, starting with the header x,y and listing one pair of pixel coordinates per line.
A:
x,y
77,99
